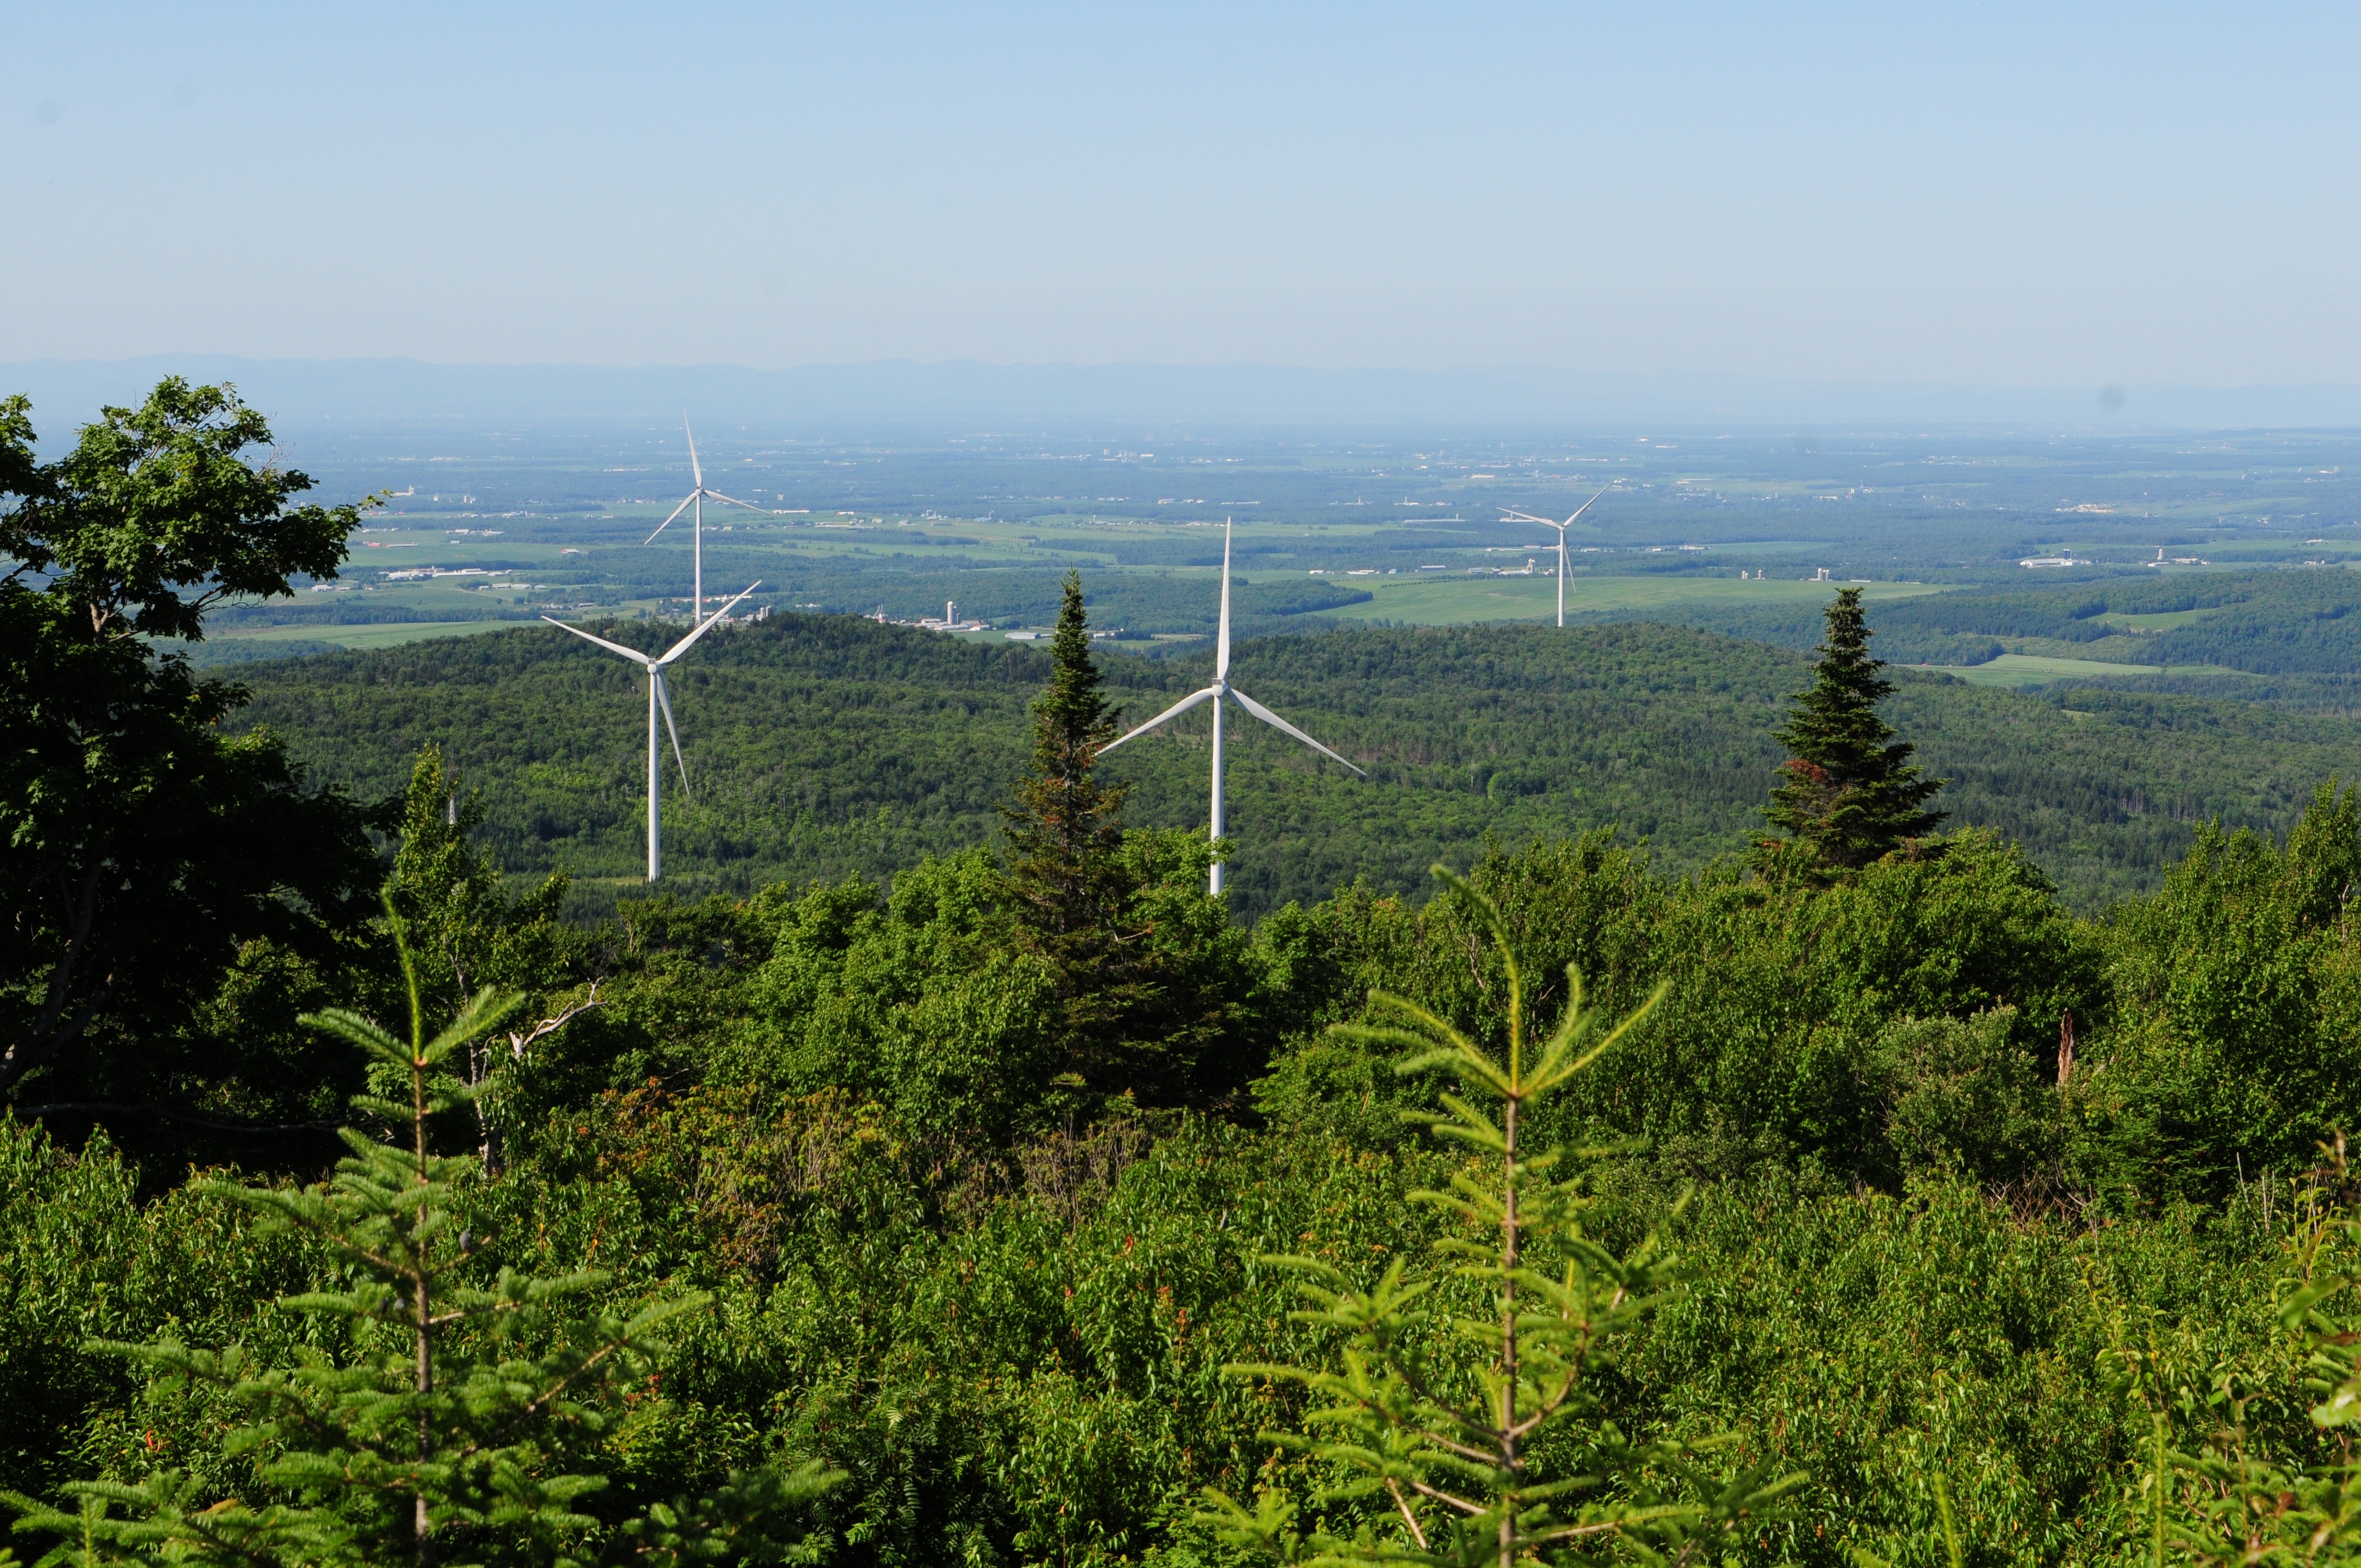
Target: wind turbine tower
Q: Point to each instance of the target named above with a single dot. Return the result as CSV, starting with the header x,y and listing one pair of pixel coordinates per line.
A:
x,y
1561,526
695,500
658,703
1214,693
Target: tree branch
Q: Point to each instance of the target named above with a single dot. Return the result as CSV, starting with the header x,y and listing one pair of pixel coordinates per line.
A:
x,y
1408,1519
1437,1495
47,1039
518,1044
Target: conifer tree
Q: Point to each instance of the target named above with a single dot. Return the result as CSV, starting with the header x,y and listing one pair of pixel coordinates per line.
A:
x,y
1073,887
461,1422
1066,826
1443,1443
1851,795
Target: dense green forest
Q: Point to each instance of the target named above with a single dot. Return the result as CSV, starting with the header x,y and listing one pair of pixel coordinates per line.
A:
x,y
820,746
2291,637
1850,1199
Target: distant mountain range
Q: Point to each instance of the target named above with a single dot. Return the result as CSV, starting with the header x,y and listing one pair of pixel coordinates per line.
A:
x,y
971,395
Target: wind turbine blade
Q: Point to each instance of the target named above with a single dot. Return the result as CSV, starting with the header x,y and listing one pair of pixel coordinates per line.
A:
x,y
1510,515
734,502
664,700
1585,506
1183,705
1221,644
632,653
681,647
651,539
1276,722
693,468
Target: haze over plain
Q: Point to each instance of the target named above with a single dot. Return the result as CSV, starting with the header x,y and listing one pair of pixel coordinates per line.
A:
x,y
2011,197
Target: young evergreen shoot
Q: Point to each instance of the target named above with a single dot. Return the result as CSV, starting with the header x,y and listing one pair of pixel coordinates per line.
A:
x,y
1851,795
2235,1502
1445,1439
459,1423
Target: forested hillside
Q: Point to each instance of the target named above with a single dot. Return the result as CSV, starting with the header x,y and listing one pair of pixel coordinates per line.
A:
x,y
1848,1200
823,745
1926,1252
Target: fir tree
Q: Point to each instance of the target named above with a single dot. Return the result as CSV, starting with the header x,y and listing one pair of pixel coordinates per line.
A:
x,y
1073,887
1851,795
1066,826
464,1420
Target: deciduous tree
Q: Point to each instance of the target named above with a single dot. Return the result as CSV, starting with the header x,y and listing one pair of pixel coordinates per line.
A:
x,y
141,849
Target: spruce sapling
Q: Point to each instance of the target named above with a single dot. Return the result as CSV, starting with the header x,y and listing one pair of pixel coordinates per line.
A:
x,y
463,1425
1436,1413
2234,1503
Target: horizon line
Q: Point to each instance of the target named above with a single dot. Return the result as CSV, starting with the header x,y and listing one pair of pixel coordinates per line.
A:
x,y
1505,368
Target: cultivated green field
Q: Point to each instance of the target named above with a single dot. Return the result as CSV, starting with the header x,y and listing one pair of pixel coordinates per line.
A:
x,y
1437,600
2022,670
2030,670
391,635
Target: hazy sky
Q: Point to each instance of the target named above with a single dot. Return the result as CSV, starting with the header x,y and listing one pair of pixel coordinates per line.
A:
x,y
2050,194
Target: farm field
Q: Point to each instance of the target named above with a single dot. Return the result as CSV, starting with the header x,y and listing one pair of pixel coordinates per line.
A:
x,y
1437,600
387,634
481,525
2033,670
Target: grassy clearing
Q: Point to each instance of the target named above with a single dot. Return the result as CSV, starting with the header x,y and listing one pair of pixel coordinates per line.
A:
x,y
2164,620
2031,670
2124,648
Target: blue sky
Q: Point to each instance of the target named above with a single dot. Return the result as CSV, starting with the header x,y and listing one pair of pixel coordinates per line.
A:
x,y
2050,195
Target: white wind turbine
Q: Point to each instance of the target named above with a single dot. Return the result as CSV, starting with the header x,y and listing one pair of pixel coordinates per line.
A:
x,y
1561,526
654,665
1213,693
696,527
